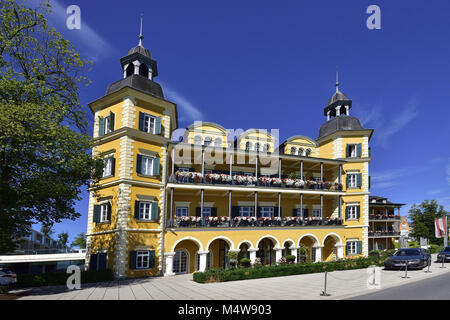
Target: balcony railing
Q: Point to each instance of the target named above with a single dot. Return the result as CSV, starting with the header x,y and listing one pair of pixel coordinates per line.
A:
x,y
384,217
384,233
225,222
251,181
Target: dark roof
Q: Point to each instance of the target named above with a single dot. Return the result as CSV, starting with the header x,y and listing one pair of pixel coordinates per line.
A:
x,y
338,96
141,50
339,124
137,82
379,201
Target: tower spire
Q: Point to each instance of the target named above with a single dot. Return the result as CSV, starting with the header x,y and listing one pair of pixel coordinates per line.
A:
x,y
140,33
337,81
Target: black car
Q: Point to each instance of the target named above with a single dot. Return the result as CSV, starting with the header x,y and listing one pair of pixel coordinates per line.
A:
x,y
444,254
416,258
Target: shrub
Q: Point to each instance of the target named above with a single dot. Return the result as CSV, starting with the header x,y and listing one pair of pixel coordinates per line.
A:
x,y
434,248
60,278
245,262
215,275
290,258
3,289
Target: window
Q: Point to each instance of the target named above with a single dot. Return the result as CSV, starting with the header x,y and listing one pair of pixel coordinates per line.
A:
x,y
308,152
149,124
352,151
293,150
147,166
208,141
316,213
266,147
108,167
352,212
267,212
197,261
218,142
248,146
180,261
246,211
182,212
352,247
104,208
352,181
142,259
206,211
106,124
300,151
257,146
144,210
198,140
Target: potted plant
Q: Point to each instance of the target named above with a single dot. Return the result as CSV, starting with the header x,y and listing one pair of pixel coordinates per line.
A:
x,y
303,253
290,259
245,262
233,256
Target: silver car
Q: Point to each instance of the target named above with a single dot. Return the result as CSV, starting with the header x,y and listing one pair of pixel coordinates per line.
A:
x,y
7,277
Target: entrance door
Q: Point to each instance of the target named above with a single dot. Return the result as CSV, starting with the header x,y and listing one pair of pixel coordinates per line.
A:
x,y
180,261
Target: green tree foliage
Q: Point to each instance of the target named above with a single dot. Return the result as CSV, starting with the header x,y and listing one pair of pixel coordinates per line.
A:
x,y
44,145
80,241
63,238
422,217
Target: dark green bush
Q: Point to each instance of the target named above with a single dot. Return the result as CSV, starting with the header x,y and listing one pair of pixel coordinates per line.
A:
x,y
60,278
220,275
3,289
290,258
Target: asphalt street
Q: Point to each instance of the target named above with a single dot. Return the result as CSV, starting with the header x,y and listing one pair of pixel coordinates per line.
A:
x,y
436,288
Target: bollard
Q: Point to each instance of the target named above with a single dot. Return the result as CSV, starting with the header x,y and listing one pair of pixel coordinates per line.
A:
x,y
443,258
373,282
428,269
324,292
406,271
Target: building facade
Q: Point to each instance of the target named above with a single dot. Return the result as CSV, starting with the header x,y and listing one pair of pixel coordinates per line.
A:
x,y
384,223
169,207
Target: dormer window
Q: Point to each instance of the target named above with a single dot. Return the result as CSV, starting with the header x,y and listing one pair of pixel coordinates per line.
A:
x,y
257,146
300,151
198,140
308,152
208,141
248,146
266,147
218,142
293,150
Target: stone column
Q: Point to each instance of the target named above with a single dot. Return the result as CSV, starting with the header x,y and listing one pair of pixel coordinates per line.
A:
x,y
294,252
203,260
318,253
278,254
252,253
169,264
340,251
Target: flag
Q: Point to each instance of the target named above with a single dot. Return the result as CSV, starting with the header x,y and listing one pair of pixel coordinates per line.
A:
x,y
440,227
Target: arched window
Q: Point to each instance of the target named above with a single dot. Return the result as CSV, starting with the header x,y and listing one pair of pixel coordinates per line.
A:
x,y
266,147
208,141
308,152
300,151
293,149
218,142
248,145
143,70
198,140
130,70
257,146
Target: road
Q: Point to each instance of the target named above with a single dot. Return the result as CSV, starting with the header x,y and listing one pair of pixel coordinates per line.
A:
x,y
436,288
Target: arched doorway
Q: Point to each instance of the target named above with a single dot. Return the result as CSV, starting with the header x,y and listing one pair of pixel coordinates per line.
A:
x,y
306,252
329,247
181,261
243,251
265,251
219,249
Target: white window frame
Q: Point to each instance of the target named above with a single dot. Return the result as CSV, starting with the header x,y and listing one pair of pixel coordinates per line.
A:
x,y
208,261
107,121
140,259
205,209
353,180
107,167
147,126
300,151
145,208
308,153
104,212
316,212
353,247
182,210
243,210
208,141
218,142
353,212
267,212
147,162
353,151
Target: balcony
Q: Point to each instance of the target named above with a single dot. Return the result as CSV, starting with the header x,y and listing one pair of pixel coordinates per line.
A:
x,y
384,217
237,222
220,179
383,234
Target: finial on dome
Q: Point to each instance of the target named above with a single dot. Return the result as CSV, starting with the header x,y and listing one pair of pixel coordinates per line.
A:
x,y
140,34
337,80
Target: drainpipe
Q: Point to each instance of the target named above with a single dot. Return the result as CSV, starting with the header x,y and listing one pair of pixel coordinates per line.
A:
x,y
163,225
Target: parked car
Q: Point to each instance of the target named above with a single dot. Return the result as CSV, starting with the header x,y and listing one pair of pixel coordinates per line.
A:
x,y
444,254
7,277
416,258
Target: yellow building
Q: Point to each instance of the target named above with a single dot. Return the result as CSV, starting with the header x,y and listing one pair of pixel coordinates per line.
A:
x,y
166,207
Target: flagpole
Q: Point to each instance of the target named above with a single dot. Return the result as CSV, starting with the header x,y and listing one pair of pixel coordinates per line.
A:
x,y
446,232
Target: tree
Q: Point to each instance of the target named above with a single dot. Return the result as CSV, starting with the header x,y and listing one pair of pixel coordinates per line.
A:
x,y
79,241
422,217
63,238
47,230
44,145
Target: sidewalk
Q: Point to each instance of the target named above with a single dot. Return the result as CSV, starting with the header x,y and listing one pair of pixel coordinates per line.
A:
x,y
341,285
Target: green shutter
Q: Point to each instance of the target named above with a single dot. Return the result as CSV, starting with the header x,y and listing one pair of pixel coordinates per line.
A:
x,y
108,214
136,210
113,166
359,150
101,127
155,212
347,180
141,121
359,247
97,213
213,212
347,151
358,212
156,167
132,260
347,248
93,262
158,125
347,209
369,183
359,180
139,164
151,259
111,121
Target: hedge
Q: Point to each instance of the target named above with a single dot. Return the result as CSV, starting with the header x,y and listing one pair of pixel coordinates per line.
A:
x,y
221,275
60,278
3,289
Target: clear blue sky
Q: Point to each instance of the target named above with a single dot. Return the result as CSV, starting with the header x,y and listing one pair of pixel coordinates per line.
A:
x,y
266,64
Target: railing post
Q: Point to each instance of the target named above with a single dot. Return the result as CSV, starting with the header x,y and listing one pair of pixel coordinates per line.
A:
x,y
229,207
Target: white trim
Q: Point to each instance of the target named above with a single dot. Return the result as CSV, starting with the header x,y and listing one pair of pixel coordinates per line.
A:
x,y
332,234
277,244
248,242
198,242
228,240
316,243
